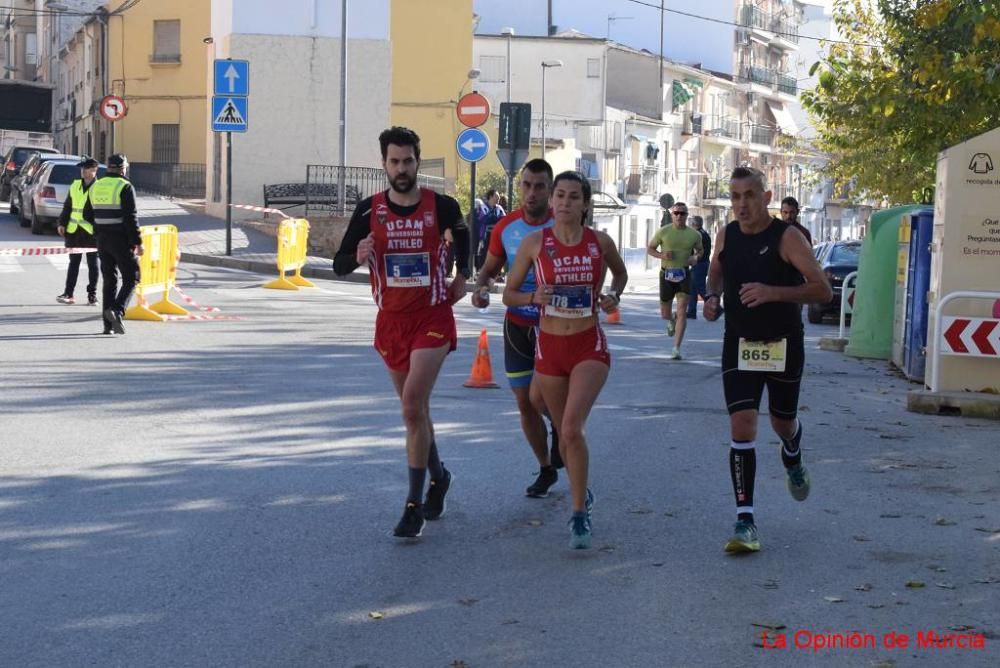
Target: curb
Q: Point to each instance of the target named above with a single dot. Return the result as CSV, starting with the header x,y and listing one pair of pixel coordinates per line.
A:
x,y
261,267
966,404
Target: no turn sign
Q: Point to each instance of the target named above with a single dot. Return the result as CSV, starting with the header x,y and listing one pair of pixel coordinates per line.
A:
x,y
113,108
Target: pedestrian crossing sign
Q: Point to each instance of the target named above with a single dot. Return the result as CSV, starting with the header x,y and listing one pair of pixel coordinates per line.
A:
x,y
229,114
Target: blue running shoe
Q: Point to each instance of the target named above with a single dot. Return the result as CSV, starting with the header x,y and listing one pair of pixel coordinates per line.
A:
x,y
744,538
589,504
579,531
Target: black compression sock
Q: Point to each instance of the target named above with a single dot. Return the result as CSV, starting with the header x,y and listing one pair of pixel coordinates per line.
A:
x,y
791,453
743,471
434,466
417,477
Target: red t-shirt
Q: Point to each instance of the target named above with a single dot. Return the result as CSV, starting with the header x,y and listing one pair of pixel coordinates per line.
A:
x,y
573,272
409,261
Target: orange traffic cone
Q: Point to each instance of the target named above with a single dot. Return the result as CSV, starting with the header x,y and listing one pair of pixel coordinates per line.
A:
x,y
615,317
482,371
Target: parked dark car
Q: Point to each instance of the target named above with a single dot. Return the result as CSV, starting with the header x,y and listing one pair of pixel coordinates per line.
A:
x,y
837,259
21,184
13,160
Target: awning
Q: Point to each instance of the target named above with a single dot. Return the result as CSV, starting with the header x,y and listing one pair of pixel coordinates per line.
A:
x,y
682,91
785,121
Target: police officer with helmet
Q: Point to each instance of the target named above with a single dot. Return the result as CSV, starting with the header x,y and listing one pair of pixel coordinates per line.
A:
x,y
79,234
110,207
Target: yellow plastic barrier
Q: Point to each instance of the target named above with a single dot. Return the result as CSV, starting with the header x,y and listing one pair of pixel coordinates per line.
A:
x,y
293,238
157,274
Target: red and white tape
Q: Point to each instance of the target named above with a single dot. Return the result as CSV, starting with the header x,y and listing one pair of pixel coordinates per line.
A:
x,y
191,302
260,209
45,250
196,316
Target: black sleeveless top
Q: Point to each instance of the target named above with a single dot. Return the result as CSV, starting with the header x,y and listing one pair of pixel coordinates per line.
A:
x,y
756,258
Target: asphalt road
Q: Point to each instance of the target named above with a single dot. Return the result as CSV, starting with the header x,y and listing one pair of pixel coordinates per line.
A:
x,y
221,493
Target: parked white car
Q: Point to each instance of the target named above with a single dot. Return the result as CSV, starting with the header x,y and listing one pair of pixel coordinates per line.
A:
x,y
44,196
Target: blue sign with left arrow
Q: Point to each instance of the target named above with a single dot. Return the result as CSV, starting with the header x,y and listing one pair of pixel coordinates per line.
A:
x,y
472,145
232,77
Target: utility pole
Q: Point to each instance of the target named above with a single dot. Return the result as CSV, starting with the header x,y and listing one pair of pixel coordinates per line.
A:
x,y
549,30
342,181
661,61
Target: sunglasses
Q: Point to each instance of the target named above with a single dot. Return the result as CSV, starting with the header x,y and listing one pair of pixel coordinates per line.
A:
x,y
679,213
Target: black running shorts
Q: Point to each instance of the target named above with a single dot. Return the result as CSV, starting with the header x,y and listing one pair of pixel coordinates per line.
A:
x,y
518,353
744,389
668,289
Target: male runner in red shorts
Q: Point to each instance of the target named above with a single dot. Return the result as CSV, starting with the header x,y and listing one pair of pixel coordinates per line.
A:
x,y
401,234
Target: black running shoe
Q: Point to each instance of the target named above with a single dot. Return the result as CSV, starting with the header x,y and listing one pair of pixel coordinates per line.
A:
x,y
92,299
554,457
411,525
434,502
114,318
540,488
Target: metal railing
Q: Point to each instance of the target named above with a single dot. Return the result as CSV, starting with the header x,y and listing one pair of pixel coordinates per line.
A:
x,y
845,298
641,180
787,85
326,183
716,189
937,337
184,179
759,134
755,17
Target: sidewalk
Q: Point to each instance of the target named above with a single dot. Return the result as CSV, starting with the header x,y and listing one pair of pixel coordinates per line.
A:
x,y
202,240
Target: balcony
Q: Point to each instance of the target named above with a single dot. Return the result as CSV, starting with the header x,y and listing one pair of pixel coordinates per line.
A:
x,y
788,85
771,82
754,17
759,134
641,180
715,126
774,27
715,189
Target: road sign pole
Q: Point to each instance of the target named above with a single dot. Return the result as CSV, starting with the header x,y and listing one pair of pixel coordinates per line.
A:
x,y
474,218
229,193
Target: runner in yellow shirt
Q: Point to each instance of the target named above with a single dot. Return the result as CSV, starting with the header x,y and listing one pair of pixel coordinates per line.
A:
x,y
678,247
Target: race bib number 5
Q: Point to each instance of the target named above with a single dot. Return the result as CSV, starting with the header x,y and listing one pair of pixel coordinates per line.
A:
x,y
407,270
762,355
570,301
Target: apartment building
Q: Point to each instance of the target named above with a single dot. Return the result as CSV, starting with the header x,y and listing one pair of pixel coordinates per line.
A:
x,y
19,24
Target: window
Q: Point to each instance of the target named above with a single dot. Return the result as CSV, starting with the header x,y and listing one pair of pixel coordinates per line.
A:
x,y
166,41
166,143
30,49
493,69
593,68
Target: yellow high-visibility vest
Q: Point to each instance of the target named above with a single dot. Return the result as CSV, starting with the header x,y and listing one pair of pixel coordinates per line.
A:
x,y
106,195
78,198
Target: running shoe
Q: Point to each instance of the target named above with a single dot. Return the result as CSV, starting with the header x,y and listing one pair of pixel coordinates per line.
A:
x,y
554,457
798,482
411,525
114,319
540,488
65,299
744,538
670,327
675,354
434,502
91,300
589,504
579,531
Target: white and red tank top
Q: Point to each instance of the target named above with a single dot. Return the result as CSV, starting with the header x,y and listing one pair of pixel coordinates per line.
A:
x,y
573,272
408,265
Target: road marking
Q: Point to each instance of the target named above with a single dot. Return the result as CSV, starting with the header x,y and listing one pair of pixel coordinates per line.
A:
x,y
10,265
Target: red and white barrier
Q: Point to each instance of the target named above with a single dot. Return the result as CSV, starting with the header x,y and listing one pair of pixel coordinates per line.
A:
x,y
976,337
45,250
260,209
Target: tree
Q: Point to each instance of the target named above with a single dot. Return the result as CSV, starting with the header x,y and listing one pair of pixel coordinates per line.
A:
x,y
915,77
484,181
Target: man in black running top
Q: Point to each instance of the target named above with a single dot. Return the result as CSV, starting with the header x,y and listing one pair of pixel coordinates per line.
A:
x,y
758,264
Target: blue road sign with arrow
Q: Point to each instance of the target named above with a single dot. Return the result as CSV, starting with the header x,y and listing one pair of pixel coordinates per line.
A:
x,y
232,77
472,145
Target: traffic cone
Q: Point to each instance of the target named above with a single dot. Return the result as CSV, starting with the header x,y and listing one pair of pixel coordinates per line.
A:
x,y
482,371
615,317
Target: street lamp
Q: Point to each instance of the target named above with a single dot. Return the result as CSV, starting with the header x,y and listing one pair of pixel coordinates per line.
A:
x,y
546,64
508,32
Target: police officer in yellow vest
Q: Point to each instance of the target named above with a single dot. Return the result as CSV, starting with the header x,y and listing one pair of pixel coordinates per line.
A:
x,y
110,207
79,234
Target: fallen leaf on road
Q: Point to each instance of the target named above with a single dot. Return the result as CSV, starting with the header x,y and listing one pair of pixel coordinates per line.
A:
x,y
876,606
535,523
833,599
890,516
510,621
915,584
987,581
864,587
985,530
606,548
458,664
769,584
374,614
657,564
961,627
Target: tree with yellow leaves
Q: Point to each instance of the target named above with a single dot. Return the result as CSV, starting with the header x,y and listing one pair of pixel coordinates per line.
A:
x,y
912,78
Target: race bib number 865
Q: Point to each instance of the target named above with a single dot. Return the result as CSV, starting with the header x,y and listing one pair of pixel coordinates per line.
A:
x,y
762,355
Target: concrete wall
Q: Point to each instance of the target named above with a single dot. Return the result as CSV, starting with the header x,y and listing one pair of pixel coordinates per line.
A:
x,y
431,58
294,105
